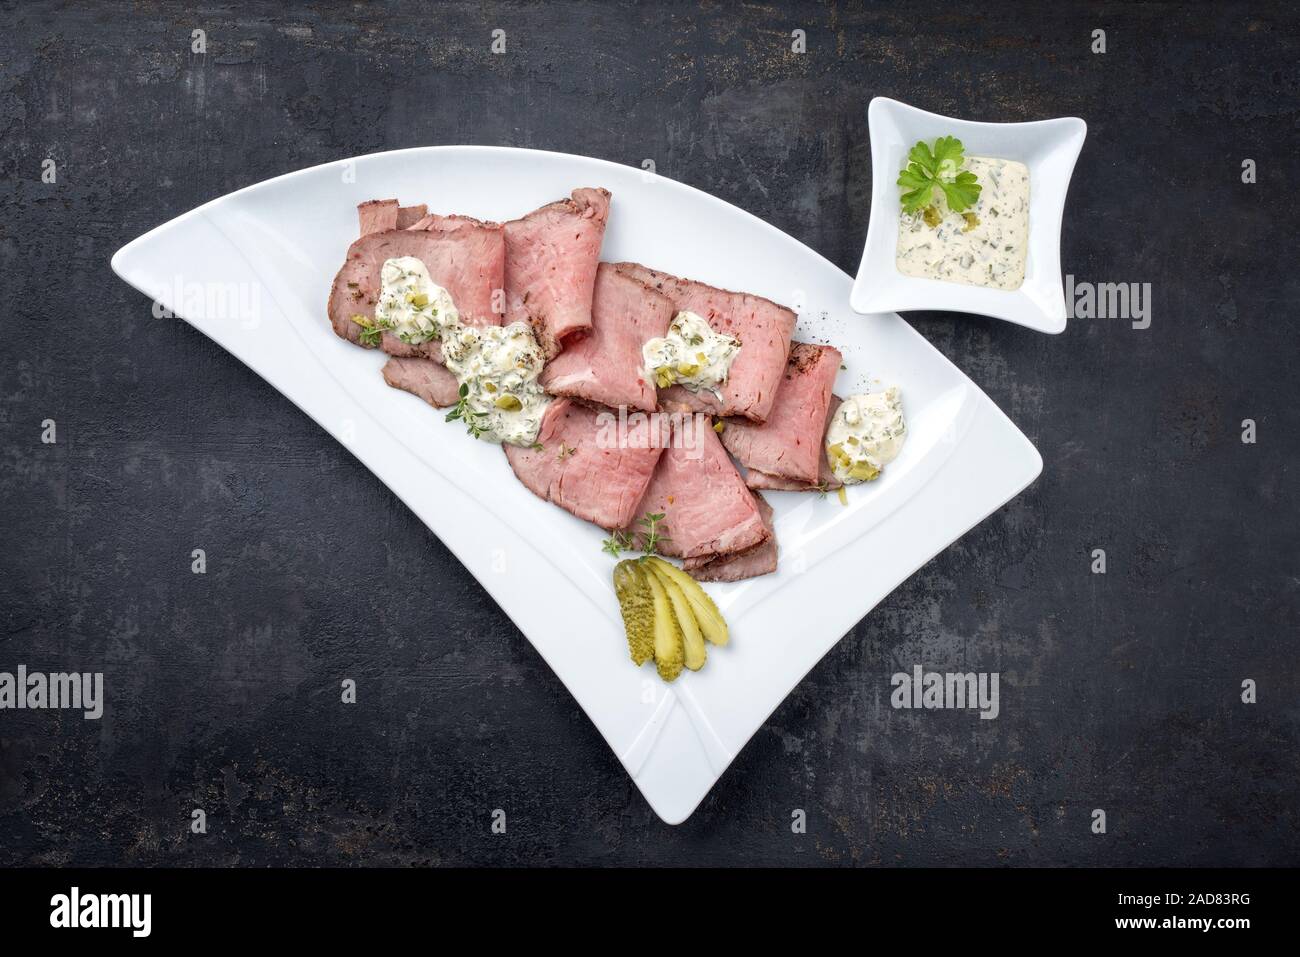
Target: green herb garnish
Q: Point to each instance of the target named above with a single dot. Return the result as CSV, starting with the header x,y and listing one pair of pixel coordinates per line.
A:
x,y
938,169
461,412
617,544
651,539
371,330
621,542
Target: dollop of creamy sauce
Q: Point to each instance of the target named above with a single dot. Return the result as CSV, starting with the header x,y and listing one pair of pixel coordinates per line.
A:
x,y
866,433
985,245
411,305
691,355
497,366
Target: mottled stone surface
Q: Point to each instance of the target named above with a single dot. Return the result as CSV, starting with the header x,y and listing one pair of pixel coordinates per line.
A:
x,y
1119,691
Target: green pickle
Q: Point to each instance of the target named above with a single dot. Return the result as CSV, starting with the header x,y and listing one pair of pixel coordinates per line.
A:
x,y
712,624
636,602
667,615
670,646
692,638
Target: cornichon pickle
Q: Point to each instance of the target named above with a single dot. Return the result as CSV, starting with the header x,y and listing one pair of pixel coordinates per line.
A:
x,y
710,620
692,640
670,648
636,602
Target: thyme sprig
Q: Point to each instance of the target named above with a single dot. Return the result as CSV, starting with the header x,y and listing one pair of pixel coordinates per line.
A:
x,y
648,541
461,412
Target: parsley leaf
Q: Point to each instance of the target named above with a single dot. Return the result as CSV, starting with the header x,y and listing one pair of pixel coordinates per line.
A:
x,y
918,188
962,192
948,156
939,169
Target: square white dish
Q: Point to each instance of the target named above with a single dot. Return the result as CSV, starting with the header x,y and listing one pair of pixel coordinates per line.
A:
x,y
1048,147
278,245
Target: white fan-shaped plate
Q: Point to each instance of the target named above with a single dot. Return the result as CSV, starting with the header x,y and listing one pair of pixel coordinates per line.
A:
x,y
252,271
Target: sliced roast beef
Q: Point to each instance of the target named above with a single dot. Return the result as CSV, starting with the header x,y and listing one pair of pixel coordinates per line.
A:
x,y
584,465
789,444
429,380
759,560
407,216
449,221
405,350
605,365
706,507
551,257
762,327
376,216
380,215
467,261
825,476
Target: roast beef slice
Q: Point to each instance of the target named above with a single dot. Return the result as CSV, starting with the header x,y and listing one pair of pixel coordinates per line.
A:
x,y
825,477
583,467
467,261
706,507
550,273
431,381
789,444
759,560
762,327
605,365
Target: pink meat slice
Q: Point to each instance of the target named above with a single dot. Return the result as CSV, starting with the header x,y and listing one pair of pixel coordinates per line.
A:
x,y
605,365
405,350
449,221
551,257
825,477
763,328
407,216
376,216
380,215
583,467
468,262
429,380
706,507
759,560
789,444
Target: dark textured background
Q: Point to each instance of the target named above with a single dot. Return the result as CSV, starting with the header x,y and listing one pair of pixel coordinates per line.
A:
x,y
1118,691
